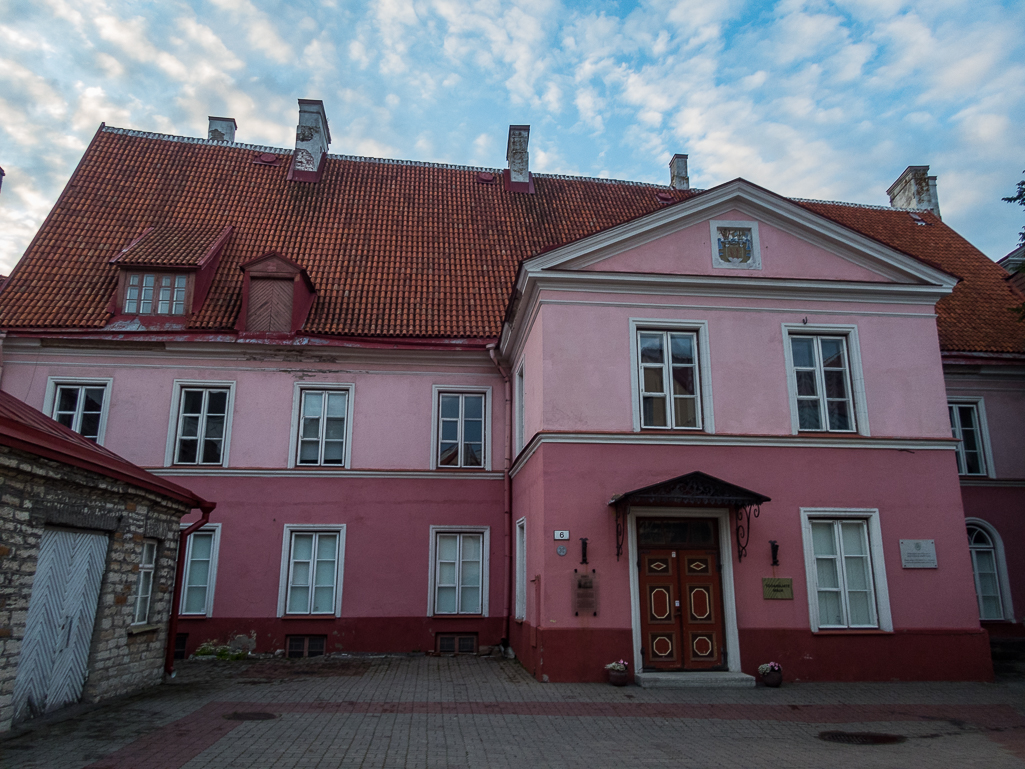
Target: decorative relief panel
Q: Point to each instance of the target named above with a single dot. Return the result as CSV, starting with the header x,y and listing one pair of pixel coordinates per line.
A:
x,y
735,245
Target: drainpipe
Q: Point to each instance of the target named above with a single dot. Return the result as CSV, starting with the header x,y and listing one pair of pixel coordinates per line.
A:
x,y
172,629
508,489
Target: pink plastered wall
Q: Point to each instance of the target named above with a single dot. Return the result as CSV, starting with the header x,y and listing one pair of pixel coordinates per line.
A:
x,y
588,370
392,403
689,252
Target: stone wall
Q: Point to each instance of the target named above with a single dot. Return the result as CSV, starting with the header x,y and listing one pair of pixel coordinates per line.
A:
x,y
36,493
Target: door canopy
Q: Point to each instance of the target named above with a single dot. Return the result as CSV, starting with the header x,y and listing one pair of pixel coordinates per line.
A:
x,y
695,489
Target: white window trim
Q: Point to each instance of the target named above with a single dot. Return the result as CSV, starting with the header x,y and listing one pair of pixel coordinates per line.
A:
x,y
485,570
521,570
138,578
519,412
700,329
293,441
215,549
875,546
850,333
998,549
53,382
436,392
172,421
756,248
987,451
286,547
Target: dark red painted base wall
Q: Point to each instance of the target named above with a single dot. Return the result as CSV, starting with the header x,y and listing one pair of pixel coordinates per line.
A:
x,y
906,655
1003,507
367,634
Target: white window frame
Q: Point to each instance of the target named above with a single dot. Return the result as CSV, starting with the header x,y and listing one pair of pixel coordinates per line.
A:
x,y
987,452
293,441
144,569
884,620
706,418
215,548
286,551
172,423
1001,563
436,392
520,413
857,377
521,569
756,248
485,569
50,398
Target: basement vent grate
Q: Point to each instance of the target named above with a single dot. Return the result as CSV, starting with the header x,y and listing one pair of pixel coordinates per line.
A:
x,y
861,738
249,716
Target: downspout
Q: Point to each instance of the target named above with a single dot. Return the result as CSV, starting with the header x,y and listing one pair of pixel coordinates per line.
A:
x,y
508,492
172,628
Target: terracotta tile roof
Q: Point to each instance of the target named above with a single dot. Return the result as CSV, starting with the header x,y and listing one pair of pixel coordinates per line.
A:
x,y
977,316
177,245
24,428
394,248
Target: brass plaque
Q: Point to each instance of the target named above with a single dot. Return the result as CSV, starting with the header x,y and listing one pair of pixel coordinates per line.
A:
x,y
585,593
778,588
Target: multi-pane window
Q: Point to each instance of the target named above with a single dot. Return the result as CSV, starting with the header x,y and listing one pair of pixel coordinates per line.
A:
x,y
521,569
202,419
984,566
823,383
312,572
459,561
322,427
199,565
80,407
669,386
965,425
843,574
144,582
155,294
460,430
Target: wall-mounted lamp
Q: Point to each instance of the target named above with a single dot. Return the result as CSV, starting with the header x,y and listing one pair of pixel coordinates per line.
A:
x,y
583,550
775,551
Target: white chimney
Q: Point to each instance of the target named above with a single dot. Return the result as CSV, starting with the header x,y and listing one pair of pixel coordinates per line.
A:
x,y
312,136
517,155
678,178
915,189
222,129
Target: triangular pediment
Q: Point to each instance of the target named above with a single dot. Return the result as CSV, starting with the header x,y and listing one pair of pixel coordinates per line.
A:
x,y
695,489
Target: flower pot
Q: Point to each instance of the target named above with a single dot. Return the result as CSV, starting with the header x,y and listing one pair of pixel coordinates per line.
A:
x,y
619,677
773,678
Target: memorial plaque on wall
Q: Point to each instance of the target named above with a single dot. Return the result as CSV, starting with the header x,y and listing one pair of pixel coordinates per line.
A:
x,y
918,553
778,588
585,593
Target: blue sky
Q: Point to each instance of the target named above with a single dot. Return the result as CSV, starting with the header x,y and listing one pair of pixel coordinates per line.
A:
x,y
828,100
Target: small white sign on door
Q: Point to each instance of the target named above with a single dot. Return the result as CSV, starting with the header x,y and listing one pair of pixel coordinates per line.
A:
x,y
918,553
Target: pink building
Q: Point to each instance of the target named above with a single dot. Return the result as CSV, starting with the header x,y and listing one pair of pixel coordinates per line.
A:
x,y
443,407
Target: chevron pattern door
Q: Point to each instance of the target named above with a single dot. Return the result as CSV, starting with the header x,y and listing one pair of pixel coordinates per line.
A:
x,y
61,612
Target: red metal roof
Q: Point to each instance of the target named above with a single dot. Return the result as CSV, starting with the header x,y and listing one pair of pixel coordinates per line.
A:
x,y
395,248
24,428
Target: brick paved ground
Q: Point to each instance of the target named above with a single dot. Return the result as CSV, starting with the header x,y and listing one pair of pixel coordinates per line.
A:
x,y
483,712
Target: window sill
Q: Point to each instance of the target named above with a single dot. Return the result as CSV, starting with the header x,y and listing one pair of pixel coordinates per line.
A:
x,y
307,616
458,616
447,469
854,631
137,629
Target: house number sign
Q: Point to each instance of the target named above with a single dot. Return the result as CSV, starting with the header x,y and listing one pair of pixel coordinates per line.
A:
x,y
918,553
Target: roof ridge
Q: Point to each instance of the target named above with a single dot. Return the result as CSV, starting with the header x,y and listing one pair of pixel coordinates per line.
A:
x,y
857,205
191,140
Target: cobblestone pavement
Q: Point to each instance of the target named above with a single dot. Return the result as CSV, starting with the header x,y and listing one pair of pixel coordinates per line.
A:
x,y
417,711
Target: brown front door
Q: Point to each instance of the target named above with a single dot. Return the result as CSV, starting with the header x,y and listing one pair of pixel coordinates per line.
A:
x,y
681,594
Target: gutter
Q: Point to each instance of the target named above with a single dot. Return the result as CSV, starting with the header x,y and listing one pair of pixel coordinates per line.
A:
x,y
507,483
172,627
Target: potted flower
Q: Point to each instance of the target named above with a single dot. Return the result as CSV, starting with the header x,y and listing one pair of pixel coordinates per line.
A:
x,y
617,673
771,673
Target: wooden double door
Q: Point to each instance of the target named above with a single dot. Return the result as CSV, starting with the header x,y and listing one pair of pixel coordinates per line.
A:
x,y
681,594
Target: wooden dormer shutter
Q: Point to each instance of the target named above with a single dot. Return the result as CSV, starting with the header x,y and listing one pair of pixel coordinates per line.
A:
x,y
270,304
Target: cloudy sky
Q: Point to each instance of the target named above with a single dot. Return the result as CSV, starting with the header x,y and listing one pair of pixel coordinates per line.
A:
x,y
812,99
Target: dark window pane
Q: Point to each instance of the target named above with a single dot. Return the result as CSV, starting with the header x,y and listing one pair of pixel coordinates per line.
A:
x,y
93,399
839,418
187,449
308,451
473,431
836,384
804,356
652,380
808,415
450,406
214,427
335,429
473,455
686,412
806,383
66,419
473,407
190,427
683,381
315,646
654,412
449,431
651,348
211,452
67,399
682,348
449,454
334,452
91,426
193,401
218,402
832,353
974,462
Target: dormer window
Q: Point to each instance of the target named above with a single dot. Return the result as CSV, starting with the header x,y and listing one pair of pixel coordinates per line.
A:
x,y
155,294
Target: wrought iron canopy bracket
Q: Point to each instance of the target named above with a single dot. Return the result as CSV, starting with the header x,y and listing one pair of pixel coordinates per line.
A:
x,y
620,529
742,516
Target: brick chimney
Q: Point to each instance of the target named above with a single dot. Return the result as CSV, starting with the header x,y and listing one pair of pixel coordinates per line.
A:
x,y
222,129
678,178
312,138
915,189
517,176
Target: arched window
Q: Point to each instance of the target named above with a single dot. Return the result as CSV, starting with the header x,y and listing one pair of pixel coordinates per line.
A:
x,y
986,567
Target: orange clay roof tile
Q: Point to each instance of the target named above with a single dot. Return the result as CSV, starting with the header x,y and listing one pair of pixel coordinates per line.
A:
x,y
394,248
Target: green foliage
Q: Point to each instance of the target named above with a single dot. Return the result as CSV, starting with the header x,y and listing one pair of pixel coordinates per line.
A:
x,y
1019,198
